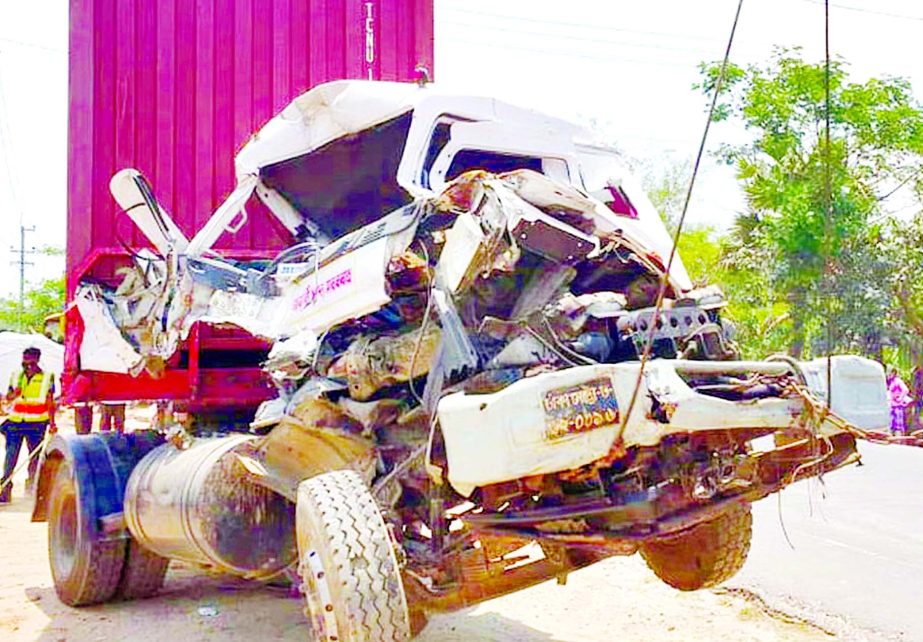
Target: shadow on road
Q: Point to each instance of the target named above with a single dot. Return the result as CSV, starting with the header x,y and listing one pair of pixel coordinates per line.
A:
x,y
464,626
192,606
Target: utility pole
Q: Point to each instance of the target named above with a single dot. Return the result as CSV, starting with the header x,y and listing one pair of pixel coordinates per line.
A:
x,y
23,252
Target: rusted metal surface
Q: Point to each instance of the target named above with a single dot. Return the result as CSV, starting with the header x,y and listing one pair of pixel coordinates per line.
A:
x,y
318,436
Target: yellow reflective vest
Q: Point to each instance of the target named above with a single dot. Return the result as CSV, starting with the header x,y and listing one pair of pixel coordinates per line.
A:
x,y
31,404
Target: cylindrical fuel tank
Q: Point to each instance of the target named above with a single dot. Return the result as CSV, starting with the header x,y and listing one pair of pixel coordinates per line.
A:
x,y
199,506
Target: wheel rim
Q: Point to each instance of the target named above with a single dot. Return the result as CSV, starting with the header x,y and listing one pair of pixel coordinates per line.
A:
x,y
64,536
317,595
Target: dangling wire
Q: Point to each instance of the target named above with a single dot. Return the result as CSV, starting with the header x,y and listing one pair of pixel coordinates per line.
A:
x,y
828,203
664,281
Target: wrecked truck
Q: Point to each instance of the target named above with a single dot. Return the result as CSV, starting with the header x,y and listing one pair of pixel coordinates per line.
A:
x,y
458,330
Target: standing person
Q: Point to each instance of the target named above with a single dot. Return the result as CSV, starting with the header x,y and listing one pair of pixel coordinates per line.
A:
x,y
900,398
112,417
31,391
916,391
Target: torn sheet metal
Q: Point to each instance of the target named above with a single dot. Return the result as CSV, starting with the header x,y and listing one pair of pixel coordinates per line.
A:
x,y
326,113
103,347
464,241
316,437
371,364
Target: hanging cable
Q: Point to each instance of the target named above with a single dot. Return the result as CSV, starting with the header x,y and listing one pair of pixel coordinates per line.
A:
x,y
6,147
828,206
664,280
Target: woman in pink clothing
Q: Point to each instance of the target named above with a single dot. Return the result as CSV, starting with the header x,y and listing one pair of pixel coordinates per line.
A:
x,y
900,398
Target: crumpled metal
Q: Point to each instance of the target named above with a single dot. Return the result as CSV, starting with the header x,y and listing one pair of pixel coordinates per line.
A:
x,y
371,364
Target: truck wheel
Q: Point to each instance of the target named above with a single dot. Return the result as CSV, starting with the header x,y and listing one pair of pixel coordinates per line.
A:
x,y
84,571
143,573
704,555
352,582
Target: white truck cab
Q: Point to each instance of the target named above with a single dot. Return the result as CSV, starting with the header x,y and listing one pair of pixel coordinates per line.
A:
x,y
348,152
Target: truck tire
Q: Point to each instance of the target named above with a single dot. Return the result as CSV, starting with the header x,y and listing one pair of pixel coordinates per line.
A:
x,y
143,573
351,579
704,555
85,571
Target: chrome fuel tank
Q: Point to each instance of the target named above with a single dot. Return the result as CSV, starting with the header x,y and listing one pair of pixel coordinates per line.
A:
x,y
198,505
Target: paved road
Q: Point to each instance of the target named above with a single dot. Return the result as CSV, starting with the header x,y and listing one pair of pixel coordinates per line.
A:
x,y
858,545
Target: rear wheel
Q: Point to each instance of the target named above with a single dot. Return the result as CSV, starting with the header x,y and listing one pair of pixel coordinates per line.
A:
x,y
704,555
143,573
351,578
85,571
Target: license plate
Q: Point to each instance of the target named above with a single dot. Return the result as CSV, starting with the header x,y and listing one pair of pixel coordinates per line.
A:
x,y
578,409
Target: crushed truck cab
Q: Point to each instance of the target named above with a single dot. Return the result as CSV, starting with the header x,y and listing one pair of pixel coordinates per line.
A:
x,y
461,402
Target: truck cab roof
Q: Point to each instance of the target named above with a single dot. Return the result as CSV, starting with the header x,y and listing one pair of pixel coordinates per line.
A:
x,y
346,153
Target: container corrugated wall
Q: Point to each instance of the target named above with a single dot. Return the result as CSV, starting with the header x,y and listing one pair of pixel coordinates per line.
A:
x,y
174,88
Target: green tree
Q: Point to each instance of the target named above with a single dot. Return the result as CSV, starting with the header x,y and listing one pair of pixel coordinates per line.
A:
x,y
902,241
666,186
47,298
823,268
740,264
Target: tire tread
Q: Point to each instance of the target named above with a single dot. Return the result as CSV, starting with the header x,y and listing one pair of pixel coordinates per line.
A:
x,y
359,562
705,555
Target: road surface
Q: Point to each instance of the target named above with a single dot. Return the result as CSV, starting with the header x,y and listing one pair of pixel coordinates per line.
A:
x,y
615,599
858,563
858,546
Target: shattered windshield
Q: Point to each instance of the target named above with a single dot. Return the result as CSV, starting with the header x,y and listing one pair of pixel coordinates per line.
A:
x,y
347,183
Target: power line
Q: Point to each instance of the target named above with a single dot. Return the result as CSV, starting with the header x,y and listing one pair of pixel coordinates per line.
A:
x,y
664,281
582,25
22,43
6,148
870,11
563,36
548,52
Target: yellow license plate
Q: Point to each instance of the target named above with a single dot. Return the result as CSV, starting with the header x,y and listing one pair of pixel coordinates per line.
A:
x,y
578,409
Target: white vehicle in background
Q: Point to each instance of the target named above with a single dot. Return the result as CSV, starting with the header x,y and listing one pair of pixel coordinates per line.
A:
x,y
457,331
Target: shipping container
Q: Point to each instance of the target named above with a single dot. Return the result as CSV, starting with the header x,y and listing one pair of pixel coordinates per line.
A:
x,y
174,89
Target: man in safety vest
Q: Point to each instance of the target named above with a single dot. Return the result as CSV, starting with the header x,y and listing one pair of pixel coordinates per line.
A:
x,y
31,393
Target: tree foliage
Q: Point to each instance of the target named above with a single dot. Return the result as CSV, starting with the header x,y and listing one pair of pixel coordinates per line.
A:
x,y
666,186
812,228
47,298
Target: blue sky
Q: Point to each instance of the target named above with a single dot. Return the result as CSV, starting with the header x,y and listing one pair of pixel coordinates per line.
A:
x,y
625,67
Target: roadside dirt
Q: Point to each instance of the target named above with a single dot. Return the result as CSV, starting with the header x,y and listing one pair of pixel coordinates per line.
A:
x,y
616,599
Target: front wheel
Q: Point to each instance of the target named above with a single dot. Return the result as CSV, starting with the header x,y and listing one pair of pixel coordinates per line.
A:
x,y
706,554
352,581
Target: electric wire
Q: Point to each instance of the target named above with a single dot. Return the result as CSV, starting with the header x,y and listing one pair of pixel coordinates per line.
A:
x,y
6,144
886,14
577,37
645,356
828,206
32,45
551,52
430,286
581,25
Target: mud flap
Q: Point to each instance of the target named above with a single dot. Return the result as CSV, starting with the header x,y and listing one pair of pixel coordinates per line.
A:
x,y
101,465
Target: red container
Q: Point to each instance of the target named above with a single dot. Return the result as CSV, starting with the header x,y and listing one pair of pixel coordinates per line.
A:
x,y
174,89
